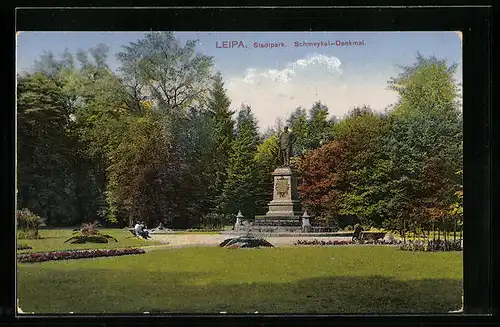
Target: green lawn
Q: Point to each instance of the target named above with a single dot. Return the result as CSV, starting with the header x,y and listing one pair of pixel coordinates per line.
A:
x,y
53,240
343,279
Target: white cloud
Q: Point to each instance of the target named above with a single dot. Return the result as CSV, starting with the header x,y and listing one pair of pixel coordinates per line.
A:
x,y
274,93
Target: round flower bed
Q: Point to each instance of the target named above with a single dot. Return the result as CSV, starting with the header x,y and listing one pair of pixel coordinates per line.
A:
x,y
75,254
245,242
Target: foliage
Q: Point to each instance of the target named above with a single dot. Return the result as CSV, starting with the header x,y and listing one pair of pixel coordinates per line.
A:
x,y
432,245
299,125
321,178
424,144
223,131
267,160
240,187
28,224
158,143
394,170
45,181
23,247
81,254
318,126
88,232
173,74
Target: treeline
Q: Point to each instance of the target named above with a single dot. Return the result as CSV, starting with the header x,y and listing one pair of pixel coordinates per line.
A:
x,y
400,169
158,141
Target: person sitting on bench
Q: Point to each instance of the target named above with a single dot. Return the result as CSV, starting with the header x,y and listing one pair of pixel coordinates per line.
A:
x,y
144,231
357,232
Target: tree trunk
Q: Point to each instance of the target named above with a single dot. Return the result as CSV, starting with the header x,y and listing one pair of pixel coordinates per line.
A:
x,y
455,230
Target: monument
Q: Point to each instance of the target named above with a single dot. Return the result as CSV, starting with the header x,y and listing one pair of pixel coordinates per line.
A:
x,y
284,213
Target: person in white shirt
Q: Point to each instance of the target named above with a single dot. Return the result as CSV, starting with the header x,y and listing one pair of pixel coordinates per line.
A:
x,y
138,229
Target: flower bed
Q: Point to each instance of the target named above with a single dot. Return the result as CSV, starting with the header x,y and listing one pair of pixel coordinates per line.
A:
x,y
75,254
380,242
245,242
318,242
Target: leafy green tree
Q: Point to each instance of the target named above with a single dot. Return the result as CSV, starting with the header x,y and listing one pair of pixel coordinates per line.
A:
x,y
424,143
45,179
240,187
175,76
364,198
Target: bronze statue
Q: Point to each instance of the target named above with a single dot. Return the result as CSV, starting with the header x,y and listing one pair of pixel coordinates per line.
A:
x,y
286,141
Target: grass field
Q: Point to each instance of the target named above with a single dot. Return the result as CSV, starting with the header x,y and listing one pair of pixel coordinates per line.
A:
x,y
53,240
343,279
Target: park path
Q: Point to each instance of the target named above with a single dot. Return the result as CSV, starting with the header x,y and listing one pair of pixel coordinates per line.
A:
x,y
175,241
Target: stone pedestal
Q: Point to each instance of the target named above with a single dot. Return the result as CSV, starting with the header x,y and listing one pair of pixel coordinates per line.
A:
x,y
285,201
284,213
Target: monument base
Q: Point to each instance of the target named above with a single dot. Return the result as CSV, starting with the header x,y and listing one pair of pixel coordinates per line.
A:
x,y
277,224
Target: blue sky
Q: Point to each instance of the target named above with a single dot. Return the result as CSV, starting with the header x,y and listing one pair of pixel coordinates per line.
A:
x,y
276,81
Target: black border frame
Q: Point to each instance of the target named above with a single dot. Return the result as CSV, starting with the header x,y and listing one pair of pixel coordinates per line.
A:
x,y
474,22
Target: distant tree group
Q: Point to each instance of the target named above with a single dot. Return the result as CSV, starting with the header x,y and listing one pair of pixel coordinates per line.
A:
x,y
158,141
396,169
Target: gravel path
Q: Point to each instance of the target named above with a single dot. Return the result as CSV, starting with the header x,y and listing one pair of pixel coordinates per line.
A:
x,y
172,240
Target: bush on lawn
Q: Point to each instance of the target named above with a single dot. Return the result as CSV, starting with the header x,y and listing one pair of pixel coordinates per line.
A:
x,y
66,255
23,247
88,232
432,245
28,224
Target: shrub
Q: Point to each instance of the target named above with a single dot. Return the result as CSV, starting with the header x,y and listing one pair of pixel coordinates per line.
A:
x,y
76,254
348,228
432,245
23,247
88,232
28,224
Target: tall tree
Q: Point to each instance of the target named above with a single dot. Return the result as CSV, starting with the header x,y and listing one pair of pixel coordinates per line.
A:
x,y
318,127
322,181
299,125
239,190
424,143
362,132
45,180
175,76
219,103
